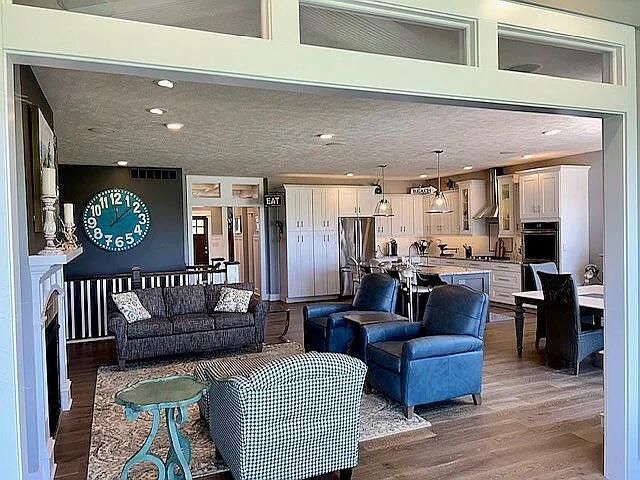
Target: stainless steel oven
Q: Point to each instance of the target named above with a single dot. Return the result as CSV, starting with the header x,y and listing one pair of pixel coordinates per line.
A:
x,y
541,242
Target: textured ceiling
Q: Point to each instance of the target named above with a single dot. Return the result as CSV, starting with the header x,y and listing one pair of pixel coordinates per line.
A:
x,y
101,118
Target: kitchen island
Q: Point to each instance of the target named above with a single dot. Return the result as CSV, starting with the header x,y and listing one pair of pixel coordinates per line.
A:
x,y
476,278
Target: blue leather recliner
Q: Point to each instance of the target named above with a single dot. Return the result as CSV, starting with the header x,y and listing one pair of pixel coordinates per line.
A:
x,y
438,359
325,329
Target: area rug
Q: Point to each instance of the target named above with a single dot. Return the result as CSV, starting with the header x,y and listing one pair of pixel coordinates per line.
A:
x,y
114,439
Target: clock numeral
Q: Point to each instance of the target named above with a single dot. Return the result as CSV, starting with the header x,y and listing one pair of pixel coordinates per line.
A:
x,y
136,207
97,233
127,200
129,238
119,242
104,202
116,198
143,219
92,222
137,229
96,210
108,239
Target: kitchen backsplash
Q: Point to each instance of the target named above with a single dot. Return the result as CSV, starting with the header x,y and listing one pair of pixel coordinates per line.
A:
x,y
480,245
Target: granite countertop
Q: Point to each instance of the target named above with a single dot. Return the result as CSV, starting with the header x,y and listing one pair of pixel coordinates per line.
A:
x,y
447,270
416,257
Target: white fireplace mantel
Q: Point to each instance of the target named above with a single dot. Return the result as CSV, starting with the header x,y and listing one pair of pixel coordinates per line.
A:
x,y
47,278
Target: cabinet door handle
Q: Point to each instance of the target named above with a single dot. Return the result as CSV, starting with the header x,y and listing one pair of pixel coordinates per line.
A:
x,y
302,223
298,223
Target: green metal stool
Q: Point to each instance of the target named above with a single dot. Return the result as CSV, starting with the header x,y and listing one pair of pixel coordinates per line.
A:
x,y
173,395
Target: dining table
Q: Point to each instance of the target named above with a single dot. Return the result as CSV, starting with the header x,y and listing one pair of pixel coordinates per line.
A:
x,y
590,297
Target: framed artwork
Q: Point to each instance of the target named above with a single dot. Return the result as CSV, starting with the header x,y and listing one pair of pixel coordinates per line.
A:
x,y
43,149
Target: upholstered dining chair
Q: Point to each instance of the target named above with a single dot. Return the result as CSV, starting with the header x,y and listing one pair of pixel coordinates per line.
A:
x,y
532,282
325,329
438,359
569,340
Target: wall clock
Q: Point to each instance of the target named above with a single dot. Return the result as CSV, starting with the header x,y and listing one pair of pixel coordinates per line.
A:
x,y
116,219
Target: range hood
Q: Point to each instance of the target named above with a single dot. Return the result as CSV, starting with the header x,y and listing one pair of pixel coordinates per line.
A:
x,y
490,211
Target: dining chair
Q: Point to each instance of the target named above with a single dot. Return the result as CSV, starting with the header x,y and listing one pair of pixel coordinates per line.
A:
x,y
569,340
533,283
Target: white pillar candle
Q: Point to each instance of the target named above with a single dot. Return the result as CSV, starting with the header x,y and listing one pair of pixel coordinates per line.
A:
x,y
68,214
49,182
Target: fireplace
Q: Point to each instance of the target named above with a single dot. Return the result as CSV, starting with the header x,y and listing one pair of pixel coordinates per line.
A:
x,y
52,347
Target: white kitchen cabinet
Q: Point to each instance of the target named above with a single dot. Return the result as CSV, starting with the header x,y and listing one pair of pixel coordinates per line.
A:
x,y
506,207
326,263
383,226
299,208
300,271
325,209
445,223
403,222
356,201
472,199
418,215
540,195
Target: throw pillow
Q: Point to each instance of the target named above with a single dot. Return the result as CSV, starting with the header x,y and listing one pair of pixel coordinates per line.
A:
x,y
129,305
233,300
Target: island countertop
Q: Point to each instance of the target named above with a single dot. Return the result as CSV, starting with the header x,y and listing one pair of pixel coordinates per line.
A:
x,y
448,270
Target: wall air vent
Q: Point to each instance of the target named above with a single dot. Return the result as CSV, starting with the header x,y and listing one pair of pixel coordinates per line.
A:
x,y
153,173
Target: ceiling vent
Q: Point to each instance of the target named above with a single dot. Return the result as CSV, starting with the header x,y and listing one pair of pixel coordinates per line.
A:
x,y
153,173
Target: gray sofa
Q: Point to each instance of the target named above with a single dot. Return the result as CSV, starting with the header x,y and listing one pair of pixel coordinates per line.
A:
x,y
183,321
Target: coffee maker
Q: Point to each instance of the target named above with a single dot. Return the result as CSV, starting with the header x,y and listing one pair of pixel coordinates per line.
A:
x,y
393,247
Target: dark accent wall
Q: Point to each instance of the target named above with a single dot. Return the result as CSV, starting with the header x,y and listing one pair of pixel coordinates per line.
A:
x,y
32,98
163,247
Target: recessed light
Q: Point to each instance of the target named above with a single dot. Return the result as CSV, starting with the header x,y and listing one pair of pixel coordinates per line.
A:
x,y
165,83
349,174
555,131
325,136
122,163
156,111
423,175
468,167
174,126
527,157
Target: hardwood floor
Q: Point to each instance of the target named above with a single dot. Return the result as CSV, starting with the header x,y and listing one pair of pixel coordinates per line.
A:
x,y
535,423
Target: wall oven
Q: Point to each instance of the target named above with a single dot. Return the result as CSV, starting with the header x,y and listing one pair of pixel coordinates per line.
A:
x,y
541,242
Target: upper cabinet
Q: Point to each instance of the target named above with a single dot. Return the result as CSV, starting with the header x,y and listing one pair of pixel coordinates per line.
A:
x,y
356,201
550,193
540,194
472,199
299,208
407,220
444,223
325,209
507,222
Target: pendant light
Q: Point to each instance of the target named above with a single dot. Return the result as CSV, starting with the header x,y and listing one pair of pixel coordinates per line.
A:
x,y
383,207
439,202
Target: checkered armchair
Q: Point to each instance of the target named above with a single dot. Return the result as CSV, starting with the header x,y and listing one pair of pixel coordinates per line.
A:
x,y
289,418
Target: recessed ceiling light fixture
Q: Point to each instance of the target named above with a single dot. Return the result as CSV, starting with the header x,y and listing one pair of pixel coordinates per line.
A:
x,y
156,111
468,167
527,156
165,83
325,136
349,174
555,131
423,175
174,126
122,163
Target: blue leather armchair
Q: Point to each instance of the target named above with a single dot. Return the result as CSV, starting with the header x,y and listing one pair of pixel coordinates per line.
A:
x,y
325,329
438,359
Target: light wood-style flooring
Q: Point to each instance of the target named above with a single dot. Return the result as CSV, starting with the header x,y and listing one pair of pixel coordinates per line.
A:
x,y
535,423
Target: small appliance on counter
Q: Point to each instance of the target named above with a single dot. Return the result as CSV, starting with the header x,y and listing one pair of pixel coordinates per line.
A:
x,y
393,247
444,250
468,251
422,246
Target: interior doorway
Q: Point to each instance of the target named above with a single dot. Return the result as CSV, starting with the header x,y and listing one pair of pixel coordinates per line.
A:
x,y
200,240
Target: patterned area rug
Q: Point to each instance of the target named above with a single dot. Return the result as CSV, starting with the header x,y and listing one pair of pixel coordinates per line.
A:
x,y
114,439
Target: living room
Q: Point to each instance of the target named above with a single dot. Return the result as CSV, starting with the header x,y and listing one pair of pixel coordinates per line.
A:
x,y
207,185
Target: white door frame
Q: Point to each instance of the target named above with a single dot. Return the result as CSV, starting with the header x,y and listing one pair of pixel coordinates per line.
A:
x,y
57,38
226,199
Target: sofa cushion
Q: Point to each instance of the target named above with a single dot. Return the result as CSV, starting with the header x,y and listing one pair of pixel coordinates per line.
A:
x,y
184,300
192,322
153,300
212,293
152,327
386,354
441,345
233,300
129,305
232,319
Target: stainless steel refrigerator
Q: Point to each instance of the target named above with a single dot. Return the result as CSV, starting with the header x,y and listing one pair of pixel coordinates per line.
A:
x,y
357,245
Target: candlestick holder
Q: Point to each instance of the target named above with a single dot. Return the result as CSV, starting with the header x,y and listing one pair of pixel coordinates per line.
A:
x,y
50,228
70,241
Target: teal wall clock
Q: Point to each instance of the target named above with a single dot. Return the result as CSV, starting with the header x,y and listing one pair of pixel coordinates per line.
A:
x,y
116,219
